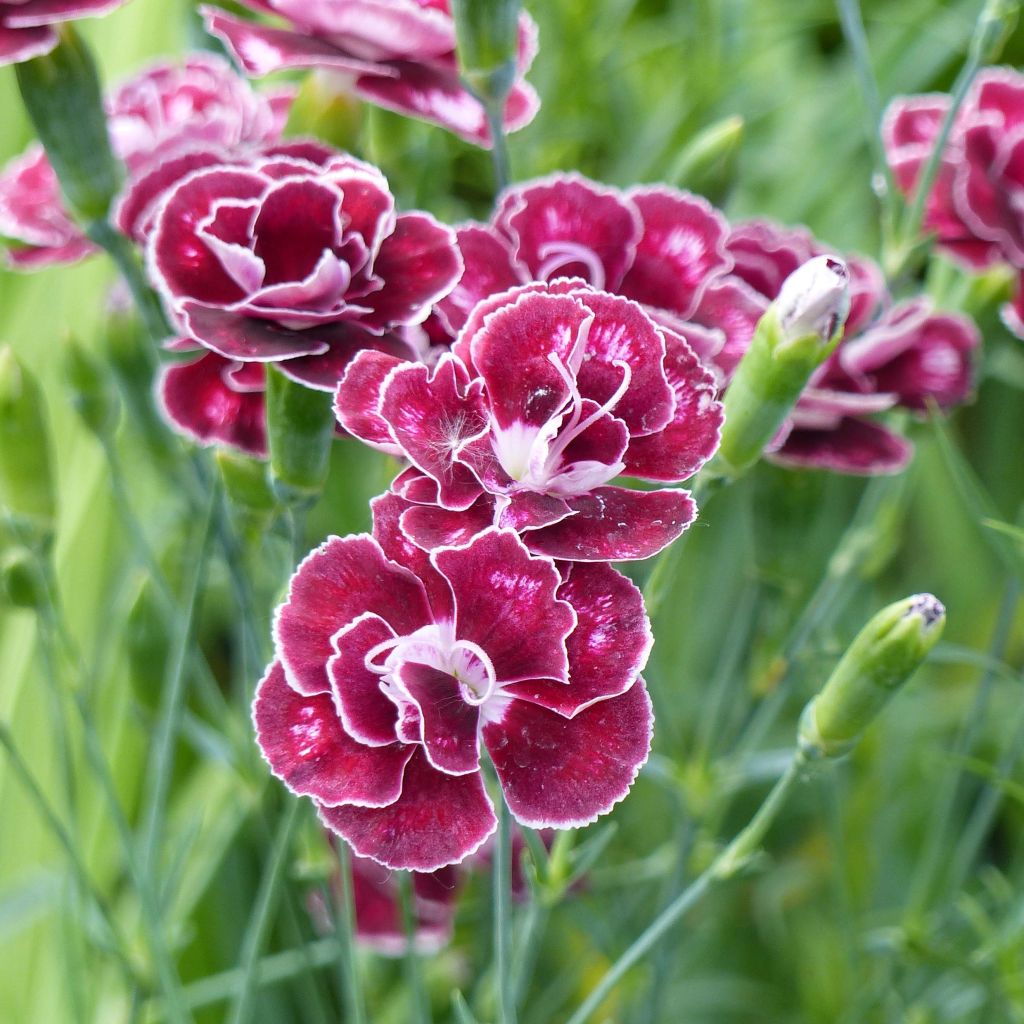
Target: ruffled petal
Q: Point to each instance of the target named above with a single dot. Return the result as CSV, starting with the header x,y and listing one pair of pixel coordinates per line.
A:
x,y
357,400
855,446
366,714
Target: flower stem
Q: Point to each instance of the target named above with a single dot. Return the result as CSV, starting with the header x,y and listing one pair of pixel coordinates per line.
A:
x,y
413,975
730,861
501,891
266,900
499,143
344,929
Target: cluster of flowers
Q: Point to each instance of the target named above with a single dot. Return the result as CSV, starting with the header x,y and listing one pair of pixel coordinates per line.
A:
x,y
974,207
517,367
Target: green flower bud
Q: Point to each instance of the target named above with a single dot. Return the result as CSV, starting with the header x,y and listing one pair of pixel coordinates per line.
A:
x,y
300,426
21,583
93,393
795,336
486,33
708,162
64,100
879,661
26,479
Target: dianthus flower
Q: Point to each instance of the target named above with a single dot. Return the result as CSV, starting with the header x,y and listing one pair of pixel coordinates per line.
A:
x,y
159,122
659,246
901,356
395,667
398,54
551,391
298,263
26,26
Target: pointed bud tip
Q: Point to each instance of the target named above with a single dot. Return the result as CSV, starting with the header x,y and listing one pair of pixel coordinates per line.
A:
x,y
930,608
815,299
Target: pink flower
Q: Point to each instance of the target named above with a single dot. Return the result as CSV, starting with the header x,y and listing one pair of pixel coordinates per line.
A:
x,y
297,263
163,123
658,246
550,393
898,357
394,668
398,54
26,26
214,400
974,206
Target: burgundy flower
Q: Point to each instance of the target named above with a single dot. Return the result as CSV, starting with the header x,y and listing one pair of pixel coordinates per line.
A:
x,y
26,26
904,356
550,393
394,667
163,122
658,246
974,206
214,400
398,54
302,264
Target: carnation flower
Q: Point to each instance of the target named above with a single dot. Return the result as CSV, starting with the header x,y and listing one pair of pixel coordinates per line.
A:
x,y
398,54
163,123
898,357
550,393
26,26
394,670
298,263
974,205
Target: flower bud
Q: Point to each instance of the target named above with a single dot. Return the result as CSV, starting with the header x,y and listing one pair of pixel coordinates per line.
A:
x,y
486,33
92,390
795,336
879,661
21,583
62,95
300,425
26,480
707,164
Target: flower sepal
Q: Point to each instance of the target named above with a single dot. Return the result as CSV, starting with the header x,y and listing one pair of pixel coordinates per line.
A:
x,y
486,33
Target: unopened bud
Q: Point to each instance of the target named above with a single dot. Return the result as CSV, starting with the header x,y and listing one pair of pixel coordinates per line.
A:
x,y
879,661
93,393
21,582
814,300
62,94
300,426
26,480
795,336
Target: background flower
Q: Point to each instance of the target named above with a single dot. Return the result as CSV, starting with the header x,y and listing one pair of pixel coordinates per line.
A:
x,y
26,26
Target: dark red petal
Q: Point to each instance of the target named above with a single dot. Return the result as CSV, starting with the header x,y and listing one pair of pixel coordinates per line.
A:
x,y
614,524
336,583
511,353
431,414
306,747
366,714
607,650
678,451
431,526
261,49
237,336
913,121
397,545
448,724
18,44
357,400
439,819
183,265
529,511
733,307
505,602
199,400
419,263
855,446
323,370
564,773
488,269
682,248
46,12
623,333
567,226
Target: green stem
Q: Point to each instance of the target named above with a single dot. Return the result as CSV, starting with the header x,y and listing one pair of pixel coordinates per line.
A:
x,y
344,929
501,880
494,109
730,861
413,974
266,901
162,762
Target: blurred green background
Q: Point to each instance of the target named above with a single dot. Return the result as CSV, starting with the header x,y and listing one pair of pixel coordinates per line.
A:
x,y
894,888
